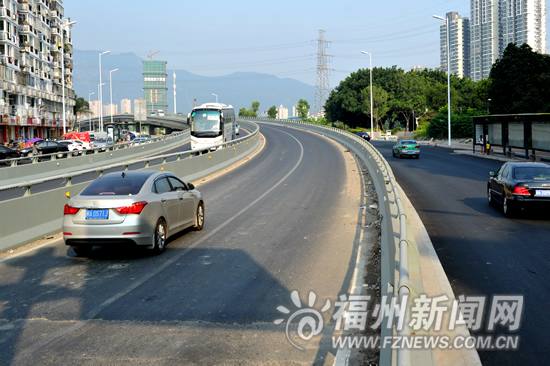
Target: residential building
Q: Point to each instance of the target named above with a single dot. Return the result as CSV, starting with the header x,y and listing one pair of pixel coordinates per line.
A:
x,y
459,45
496,23
94,107
154,85
523,21
419,68
107,109
34,44
125,106
282,112
294,111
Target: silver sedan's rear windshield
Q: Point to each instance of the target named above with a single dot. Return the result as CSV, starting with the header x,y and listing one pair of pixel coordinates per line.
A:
x,y
114,186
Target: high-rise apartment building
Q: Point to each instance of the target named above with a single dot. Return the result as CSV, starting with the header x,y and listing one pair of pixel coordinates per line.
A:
x,y
125,106
34,44
154,85
94,107
282,112
459,45
496,23
110,109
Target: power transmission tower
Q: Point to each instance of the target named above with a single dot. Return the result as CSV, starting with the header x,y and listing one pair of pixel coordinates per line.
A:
x,y
321,88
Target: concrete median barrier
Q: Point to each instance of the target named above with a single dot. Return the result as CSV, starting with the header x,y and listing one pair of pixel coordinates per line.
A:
x,y
36,216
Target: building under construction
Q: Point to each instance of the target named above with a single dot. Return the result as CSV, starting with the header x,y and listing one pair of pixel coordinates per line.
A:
x,y
154,85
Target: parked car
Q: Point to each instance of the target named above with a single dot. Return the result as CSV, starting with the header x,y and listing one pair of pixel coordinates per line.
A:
x,y
7,153
104,144
237,132
406,147
73,145
47,147
142,139
519,186
363,135
139,207
85,145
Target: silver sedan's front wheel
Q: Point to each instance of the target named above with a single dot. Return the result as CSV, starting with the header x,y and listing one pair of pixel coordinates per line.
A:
x,y
199,219
159,237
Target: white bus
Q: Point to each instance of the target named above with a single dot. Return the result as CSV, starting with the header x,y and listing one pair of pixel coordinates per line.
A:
x,y
211,124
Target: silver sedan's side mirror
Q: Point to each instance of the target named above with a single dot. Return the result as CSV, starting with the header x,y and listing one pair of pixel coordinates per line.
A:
x,y
190,186
492,174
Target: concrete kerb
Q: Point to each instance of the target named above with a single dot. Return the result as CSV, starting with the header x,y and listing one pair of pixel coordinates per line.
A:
x,y
45,210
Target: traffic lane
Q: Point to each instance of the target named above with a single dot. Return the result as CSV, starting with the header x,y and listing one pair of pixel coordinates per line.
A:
x,y
234,281
481,251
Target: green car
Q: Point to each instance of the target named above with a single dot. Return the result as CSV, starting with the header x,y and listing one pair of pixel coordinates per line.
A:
x,y
405,147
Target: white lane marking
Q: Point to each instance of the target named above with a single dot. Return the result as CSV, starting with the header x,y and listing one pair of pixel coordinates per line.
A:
x,y
27,355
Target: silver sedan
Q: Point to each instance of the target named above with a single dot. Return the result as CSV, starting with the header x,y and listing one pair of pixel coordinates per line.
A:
x,y
139,207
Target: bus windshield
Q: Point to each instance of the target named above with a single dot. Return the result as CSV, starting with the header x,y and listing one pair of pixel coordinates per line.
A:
x,y
206,123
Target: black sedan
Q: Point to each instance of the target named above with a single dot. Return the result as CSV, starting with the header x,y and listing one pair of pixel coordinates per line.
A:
x,y
363,135
46,147
518,186
7,153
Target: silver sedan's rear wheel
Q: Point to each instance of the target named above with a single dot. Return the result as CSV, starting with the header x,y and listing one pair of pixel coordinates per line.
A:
x,y
159,237
199,218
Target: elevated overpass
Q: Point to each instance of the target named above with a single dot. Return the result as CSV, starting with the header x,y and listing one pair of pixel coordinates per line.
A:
x,y
170,122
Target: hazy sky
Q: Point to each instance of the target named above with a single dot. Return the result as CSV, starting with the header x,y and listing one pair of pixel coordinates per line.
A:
x,y
215,37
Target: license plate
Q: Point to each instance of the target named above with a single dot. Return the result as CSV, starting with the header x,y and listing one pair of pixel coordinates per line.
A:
x,y
542,193
412,152
97,214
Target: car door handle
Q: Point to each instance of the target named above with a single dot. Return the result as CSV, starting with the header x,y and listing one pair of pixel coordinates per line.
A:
x,y
163,200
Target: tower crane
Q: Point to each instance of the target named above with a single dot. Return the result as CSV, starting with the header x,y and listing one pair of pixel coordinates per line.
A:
x,y
152,54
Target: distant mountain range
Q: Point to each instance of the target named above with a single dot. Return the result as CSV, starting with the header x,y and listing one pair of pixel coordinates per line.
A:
x,y
239,89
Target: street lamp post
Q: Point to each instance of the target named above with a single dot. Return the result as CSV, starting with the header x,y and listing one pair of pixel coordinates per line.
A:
x,y
216,97
89,114
99,105
111,91
101,93
448,29
371,110
63,27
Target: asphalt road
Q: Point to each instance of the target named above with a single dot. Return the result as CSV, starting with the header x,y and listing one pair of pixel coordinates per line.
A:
x,y
280,223
482,252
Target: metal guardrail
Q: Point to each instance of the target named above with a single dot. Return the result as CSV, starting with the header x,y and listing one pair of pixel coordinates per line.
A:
x,y
379,168
10,177
68,154
35,216
68,177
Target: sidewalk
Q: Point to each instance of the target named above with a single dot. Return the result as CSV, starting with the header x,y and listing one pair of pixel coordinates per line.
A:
x,y
463,148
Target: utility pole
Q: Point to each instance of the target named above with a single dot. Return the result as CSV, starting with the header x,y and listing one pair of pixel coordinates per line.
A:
x,y
321,87
175,110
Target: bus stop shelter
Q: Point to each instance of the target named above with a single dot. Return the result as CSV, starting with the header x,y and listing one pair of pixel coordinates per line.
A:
x,y
529,132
